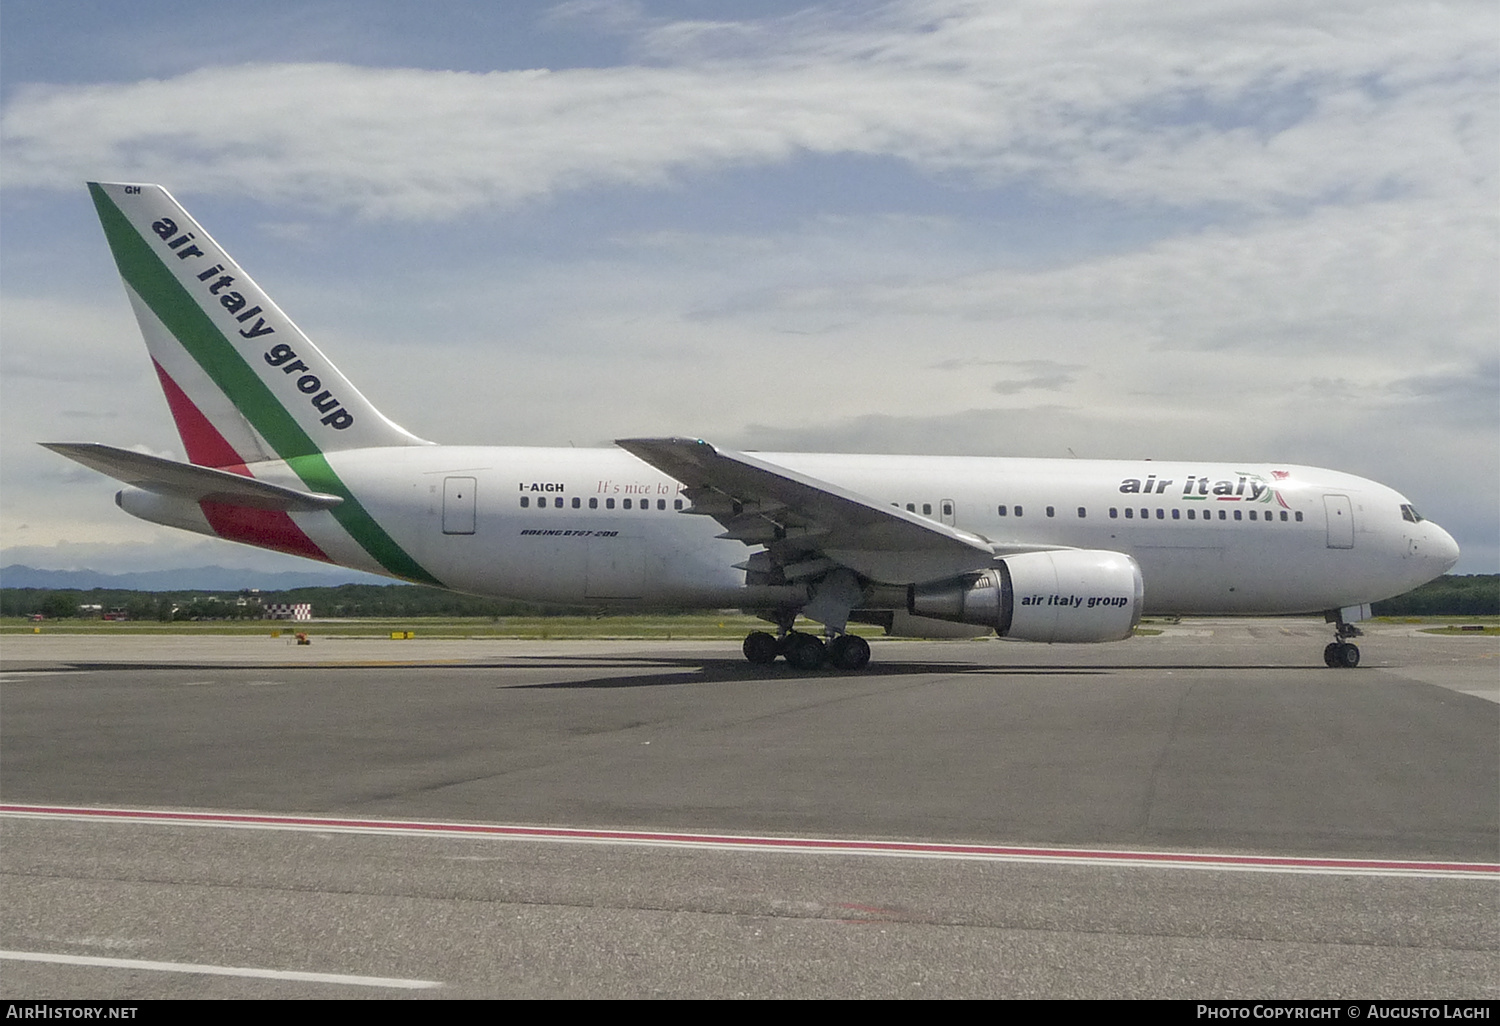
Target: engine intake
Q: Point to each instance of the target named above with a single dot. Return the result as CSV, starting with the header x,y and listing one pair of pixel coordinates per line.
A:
x,y
1066,595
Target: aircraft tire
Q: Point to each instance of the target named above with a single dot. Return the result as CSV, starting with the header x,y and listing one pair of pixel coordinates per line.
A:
x,y
1331,654
849,652
804,651
761,648
1348,656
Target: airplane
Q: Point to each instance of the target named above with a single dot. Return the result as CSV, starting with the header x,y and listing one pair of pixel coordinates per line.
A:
x,y
286,454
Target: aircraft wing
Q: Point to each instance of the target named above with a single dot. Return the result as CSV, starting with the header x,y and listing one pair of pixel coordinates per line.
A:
x,y
155,474
804,519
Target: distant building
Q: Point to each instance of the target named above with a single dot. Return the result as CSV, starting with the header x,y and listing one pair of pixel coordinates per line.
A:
x,y
287,610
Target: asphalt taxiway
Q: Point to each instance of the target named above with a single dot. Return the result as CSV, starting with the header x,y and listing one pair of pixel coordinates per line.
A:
x,y
1048,766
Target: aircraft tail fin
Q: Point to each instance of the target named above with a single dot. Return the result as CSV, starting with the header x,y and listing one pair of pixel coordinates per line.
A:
x,y
243,382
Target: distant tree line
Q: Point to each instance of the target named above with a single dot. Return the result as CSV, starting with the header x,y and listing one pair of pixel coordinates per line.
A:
x,y
1473,595
1450,595
347,600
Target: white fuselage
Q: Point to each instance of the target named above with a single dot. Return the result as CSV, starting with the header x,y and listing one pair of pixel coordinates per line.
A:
x,y
600,526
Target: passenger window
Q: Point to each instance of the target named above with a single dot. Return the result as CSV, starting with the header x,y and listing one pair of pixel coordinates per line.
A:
x,y
626,504
1298,516
610,503
1129,513
1002,510
1191,513
676,503
947,509
1237,515
1051,512
1145,514
577,502
1252,514
1018,511
1176,514
927,509
1283,516
1082,512
911,507
525,502
1161,514
1114,513
593,503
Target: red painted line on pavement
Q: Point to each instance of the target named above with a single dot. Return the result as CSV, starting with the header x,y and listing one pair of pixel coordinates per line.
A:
x,y
801,844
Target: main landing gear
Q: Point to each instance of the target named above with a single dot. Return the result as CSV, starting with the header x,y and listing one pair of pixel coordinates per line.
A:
x,y
807,651
1339,653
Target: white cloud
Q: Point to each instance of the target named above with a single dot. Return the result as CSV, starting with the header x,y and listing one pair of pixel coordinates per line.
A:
x,y
67,341
1255,105
1383,285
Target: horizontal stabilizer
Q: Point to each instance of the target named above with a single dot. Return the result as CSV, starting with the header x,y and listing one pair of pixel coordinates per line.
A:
x,y
186,480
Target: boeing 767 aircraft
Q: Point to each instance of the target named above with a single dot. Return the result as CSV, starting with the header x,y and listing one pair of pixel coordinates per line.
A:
x,y
286,454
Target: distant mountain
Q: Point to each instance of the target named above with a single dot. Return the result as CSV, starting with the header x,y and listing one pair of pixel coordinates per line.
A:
x,y
197,578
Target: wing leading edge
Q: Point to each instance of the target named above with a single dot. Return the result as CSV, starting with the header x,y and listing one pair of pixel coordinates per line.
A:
x,y
803,520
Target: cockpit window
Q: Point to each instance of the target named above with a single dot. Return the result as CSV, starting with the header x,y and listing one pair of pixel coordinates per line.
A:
x,y
1409,513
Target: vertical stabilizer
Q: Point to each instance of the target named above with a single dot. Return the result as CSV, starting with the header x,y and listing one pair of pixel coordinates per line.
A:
x,y
243,383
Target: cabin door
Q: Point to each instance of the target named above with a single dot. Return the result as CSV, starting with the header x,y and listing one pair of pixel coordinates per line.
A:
x,y
458,504
1340,521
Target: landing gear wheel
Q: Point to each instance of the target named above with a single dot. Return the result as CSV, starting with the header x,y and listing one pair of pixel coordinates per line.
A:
x,y
761,648
1341,655
804,651
849,652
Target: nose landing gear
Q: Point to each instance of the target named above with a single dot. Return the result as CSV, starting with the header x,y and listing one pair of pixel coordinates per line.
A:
x,y
1339,653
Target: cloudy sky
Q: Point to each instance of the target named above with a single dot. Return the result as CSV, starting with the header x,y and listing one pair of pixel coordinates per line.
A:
x,y
1208,230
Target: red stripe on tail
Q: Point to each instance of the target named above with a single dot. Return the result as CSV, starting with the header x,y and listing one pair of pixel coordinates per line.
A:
x,y
267,529
204,444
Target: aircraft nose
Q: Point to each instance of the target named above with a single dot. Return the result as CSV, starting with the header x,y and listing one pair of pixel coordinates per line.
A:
x,y
1442,549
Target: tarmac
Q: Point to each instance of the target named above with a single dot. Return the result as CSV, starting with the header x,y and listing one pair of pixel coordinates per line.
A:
x,y
1207,813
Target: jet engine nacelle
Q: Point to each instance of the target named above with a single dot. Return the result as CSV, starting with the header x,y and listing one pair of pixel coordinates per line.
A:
x,y
1066,595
